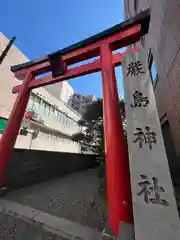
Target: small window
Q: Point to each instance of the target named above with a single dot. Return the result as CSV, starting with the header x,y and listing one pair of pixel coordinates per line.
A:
x,y
143,41
135,5
127,5
36,102
56,113
60,116
53,112
23,132
153,71
152,67
42,107
31,101
68,122
47,109
76,109
63,118
156,81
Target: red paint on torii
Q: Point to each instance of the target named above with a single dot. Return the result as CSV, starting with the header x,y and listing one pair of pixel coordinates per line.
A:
x,y
117,170
82,70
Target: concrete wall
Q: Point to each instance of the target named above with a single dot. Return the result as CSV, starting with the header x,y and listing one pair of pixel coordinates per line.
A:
x,y
47,142
51,143
31,166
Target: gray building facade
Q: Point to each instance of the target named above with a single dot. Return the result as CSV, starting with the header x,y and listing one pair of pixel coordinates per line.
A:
x,y
80,102
162,48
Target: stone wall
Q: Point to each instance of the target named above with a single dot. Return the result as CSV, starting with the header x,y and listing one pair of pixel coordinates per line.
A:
x,y
32,166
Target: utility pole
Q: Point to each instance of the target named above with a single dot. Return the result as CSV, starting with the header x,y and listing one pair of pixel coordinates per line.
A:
x,y
7,48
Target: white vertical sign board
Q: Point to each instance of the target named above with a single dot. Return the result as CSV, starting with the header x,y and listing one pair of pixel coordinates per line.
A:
x,y
154,206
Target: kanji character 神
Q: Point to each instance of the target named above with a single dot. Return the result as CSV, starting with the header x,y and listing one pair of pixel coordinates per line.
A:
x,y
148,137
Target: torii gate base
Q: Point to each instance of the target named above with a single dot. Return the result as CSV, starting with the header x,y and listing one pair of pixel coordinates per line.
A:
x,y
117,170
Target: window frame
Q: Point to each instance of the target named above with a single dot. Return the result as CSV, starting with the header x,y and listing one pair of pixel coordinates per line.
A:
x,y
151,63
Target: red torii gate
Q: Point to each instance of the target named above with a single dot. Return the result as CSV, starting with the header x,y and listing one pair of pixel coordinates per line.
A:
x,y
117,170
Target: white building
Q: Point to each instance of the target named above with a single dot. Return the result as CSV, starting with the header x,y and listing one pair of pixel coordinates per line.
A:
x,y
62,91
54,123
80,102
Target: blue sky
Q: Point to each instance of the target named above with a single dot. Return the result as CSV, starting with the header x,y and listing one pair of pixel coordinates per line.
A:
x,y
43,26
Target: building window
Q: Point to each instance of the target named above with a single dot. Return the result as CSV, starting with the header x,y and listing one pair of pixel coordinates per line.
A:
x,y
23,132
50,110
127,5
76,109
31,101
39,101
65,119
47,109
156,81
47,136
53,111
42,107
60,116
135,5
56,113
152,67
143,41
36,103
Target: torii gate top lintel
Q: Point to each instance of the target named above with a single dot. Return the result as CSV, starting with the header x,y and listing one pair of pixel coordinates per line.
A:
x,y
142,18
